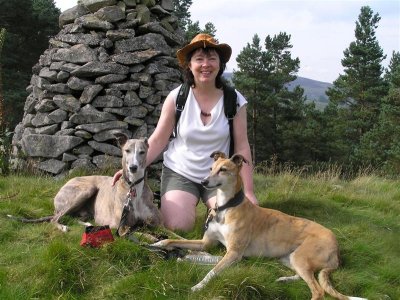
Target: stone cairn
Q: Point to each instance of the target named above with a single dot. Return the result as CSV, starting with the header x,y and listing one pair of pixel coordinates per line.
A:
x,y
107,71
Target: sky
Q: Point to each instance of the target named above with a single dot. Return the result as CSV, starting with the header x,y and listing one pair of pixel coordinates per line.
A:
x,y
320,30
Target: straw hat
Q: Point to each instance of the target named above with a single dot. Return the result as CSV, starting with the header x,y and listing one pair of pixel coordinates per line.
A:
x,y
203,40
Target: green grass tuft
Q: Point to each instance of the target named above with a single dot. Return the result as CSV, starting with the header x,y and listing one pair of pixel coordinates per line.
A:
x,y
39,262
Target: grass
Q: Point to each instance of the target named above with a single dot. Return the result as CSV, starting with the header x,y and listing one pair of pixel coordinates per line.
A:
x,y
39,262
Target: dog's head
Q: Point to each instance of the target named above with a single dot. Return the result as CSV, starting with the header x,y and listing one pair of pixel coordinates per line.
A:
x,y
224,171
134,153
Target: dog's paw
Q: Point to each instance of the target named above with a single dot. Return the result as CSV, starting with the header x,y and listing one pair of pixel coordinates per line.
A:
x,y
160,244
64,228
197,287
288,278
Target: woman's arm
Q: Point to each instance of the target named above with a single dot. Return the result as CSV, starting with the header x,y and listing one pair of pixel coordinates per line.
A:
x,y
165,126
159,139
242,147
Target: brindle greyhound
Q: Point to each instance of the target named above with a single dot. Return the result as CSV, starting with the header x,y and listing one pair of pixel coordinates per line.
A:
x,y
249,230
94,196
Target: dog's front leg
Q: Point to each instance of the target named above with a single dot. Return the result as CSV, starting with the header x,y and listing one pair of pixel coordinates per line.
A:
x,y
168,244
230,257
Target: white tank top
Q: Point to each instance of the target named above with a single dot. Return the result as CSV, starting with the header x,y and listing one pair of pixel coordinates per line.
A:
x,y
188,154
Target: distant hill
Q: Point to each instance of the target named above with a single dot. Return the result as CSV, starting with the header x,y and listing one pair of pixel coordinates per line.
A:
x,y
313,89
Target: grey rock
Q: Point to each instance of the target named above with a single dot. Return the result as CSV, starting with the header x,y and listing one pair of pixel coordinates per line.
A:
x,y
128,58
78,54
110,78
78,84
88,114
40,145
120,34
58,115
79,38
67,103
92,69
107,101
83,163
91,22
95,5
110,14
83,134
105,148
107,161
83,149
53,166
97,127
152,41
107,135
69,15
67,157
89,93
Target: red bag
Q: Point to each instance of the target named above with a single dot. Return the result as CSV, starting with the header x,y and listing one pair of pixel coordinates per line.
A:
x,y
96,236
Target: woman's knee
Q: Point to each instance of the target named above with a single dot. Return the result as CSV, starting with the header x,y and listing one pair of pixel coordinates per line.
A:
x,y
178,210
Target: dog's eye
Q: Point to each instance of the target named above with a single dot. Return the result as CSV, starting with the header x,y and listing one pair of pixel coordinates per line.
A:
x,y
142,152
223,169
127,151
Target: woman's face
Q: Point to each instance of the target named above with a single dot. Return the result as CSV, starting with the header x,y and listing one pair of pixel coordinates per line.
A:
x,y
204,65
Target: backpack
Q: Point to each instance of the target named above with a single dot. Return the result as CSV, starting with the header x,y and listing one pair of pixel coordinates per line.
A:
x,y
230,102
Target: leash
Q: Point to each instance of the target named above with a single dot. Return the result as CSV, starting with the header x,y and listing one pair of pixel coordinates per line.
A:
x,y
128,206
235,201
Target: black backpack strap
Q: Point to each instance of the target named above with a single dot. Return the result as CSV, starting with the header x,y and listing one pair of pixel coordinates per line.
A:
x,y
230,102
180,104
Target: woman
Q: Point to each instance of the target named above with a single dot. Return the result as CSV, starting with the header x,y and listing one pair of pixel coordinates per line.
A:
x,y
202,129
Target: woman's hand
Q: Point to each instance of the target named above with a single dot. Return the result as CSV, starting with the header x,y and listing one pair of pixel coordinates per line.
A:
x,y
116,177
252,197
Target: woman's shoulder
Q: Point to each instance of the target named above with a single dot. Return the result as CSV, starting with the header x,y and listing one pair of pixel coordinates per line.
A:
x,y
174,93
241,100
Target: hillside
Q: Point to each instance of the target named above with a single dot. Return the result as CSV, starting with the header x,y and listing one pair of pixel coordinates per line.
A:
x,y
314,90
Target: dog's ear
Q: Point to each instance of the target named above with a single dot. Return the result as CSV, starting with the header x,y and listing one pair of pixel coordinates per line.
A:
x,y
121,138
238,159
146,141
217,154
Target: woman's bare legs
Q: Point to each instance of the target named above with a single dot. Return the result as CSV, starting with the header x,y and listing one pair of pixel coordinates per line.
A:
x,y
178,210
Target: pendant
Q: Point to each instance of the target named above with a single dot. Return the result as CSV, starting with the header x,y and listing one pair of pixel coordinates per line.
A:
x,y
205,114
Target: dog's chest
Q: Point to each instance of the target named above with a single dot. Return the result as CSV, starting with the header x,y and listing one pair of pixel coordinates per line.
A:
x,y
140,210
216,228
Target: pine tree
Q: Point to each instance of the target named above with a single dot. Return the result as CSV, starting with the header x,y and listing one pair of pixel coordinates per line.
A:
x,y
181,11
185,23
276,115
359,92
282,69
2,117
380,146
28,31
249,80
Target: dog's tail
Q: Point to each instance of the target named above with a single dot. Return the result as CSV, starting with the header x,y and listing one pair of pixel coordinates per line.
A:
x,y
326,284
25,220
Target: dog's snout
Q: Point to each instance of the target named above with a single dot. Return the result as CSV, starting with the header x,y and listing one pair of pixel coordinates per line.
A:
x,y
205,182
133,168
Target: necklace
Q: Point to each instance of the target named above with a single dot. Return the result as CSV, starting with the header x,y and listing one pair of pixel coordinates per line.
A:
x,y
205,114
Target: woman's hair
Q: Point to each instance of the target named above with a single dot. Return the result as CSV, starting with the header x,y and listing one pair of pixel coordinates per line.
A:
x,y
188,75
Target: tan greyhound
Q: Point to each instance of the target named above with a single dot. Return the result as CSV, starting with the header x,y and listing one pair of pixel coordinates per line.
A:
x,y
249,230
94,196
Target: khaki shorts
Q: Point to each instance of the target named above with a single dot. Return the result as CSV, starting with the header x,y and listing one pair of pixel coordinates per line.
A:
x,y
171,181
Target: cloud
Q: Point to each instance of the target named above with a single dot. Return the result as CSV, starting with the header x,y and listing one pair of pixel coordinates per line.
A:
x,y
320,30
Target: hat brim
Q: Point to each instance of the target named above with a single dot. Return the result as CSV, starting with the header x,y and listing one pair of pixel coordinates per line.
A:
x,y
225,50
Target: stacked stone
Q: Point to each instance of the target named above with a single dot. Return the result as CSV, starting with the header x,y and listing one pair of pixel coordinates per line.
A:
x,y
107,71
